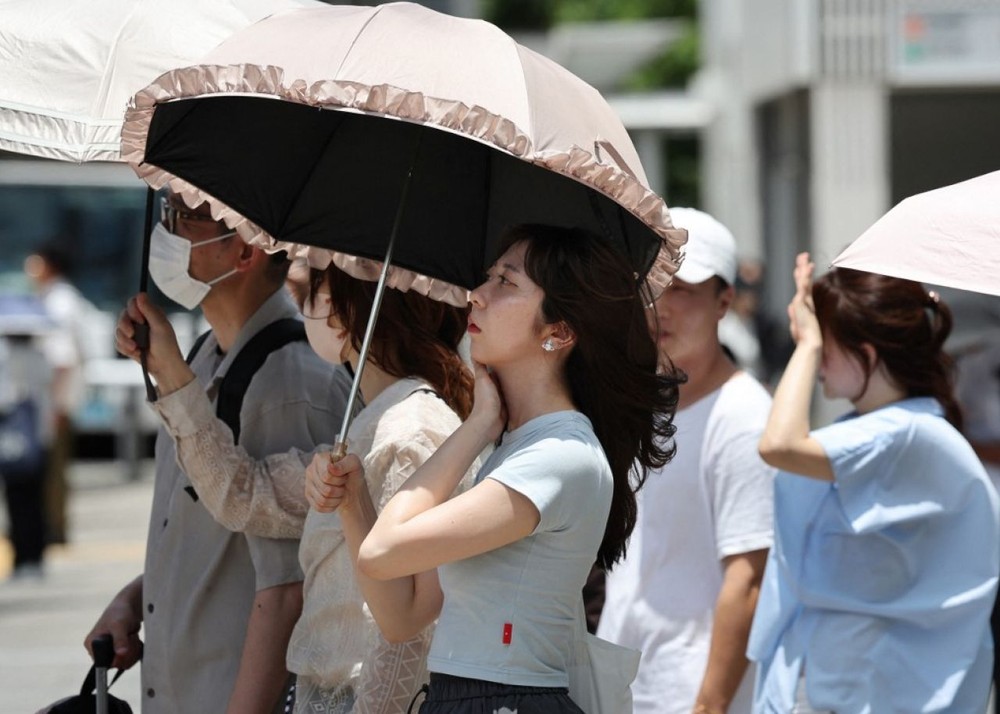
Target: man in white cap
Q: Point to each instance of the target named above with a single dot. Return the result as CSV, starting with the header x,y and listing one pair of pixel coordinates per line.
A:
x,y
686,591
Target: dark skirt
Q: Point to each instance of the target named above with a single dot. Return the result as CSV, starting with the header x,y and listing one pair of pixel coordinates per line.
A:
x,y
458,695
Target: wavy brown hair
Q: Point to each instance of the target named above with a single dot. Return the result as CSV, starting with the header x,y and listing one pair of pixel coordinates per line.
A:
x,y
905,324
414,335
612,368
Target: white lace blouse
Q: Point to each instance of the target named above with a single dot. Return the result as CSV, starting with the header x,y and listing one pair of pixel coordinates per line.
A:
x,y
335,641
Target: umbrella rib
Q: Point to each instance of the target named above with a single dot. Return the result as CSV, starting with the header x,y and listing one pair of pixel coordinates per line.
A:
x,y
341,445
357,36
307,179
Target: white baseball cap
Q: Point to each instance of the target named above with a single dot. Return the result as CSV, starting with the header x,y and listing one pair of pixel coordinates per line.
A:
x,y
710,249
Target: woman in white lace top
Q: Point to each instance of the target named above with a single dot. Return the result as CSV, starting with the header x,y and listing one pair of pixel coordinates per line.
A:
x,y
415,390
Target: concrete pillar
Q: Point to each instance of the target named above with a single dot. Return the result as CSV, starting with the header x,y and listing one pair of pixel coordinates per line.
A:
x,y
850,176
649,145
850,173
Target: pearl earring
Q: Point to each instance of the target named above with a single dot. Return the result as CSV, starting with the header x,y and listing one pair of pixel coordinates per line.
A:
x,y
549,345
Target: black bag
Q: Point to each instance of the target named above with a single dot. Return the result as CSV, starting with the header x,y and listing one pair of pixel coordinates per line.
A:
x,y
22,456
86,702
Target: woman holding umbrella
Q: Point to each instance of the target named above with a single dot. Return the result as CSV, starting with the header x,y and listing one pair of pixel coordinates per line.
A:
x,y
566,383
878,591
415,389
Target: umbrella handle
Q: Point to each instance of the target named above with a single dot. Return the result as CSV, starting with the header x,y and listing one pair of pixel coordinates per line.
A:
x,y
338,452
141,332
141,338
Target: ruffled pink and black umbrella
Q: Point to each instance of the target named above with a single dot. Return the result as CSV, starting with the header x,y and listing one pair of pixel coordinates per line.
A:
x,y
396,142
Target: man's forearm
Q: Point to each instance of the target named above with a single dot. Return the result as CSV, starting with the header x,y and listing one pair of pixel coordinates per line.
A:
x,y
727,662
263,674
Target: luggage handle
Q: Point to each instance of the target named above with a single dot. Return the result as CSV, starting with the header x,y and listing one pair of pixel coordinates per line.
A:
x,y
104,655
96,680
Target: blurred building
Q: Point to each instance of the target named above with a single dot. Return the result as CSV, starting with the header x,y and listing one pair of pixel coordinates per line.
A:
x,y
828,112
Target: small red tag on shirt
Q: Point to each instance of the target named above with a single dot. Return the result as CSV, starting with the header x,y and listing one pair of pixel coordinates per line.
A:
x,y
508,632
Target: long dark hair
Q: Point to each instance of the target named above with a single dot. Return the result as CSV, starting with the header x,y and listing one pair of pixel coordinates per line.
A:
x,y
414,335
612,368
905,324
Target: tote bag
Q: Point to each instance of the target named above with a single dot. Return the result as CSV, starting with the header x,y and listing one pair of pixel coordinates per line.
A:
x,y
600,672
21,454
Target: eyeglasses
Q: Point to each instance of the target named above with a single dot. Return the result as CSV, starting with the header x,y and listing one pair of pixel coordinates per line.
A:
x,y
170,214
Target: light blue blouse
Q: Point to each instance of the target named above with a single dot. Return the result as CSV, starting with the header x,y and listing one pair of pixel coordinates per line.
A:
x,y
880,584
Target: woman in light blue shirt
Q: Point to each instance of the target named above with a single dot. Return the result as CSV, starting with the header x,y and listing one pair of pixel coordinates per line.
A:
x,y
878,590
580,413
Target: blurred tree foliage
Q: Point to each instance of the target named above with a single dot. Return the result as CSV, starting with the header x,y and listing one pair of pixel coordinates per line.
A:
x,y
671,69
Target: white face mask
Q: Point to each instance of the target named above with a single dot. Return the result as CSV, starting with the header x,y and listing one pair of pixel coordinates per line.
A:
x,y
169,262
326,341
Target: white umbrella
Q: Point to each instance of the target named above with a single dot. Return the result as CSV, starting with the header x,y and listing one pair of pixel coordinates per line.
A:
x,y
949,236
68,68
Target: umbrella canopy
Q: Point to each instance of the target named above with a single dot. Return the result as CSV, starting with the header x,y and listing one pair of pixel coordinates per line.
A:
x,y
301,130
949,236
68,69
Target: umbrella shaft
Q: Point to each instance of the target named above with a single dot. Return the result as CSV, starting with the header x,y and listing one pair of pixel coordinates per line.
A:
x,y
377,301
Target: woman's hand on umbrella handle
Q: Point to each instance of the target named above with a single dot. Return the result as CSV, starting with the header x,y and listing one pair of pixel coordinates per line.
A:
x,y
488,409
163,356
331,483
803,325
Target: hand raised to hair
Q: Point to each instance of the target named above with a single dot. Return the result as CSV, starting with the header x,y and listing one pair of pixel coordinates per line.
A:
x,y
803,325
164,359
331,484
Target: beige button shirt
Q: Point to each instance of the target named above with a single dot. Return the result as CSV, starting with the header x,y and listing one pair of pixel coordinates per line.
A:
x,y
200,579
335,641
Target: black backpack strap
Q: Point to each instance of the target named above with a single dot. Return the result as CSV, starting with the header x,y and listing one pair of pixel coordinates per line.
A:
x,y
90,681
245,365
196,346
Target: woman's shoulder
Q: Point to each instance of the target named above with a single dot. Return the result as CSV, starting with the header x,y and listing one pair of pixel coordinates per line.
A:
x,y
563,440
907,424
417,414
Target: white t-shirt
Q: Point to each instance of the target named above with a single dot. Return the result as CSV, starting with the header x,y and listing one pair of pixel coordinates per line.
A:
x,y
65,347
713,500
509,614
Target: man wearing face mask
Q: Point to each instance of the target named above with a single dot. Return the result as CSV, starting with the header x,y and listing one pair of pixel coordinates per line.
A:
x,y
218,607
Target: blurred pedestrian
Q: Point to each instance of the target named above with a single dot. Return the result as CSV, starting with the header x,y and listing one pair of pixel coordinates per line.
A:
x,y
738,327
25,428
684,595
879,588
49,269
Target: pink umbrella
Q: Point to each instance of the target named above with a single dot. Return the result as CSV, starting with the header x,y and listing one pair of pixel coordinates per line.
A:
x,y
303,133
949,236
516,138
